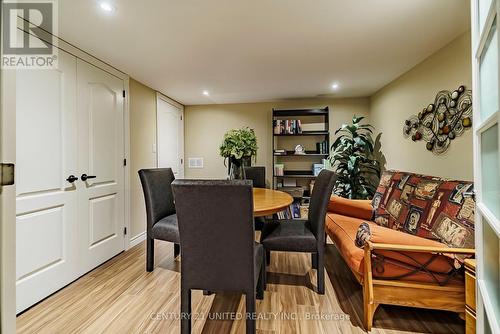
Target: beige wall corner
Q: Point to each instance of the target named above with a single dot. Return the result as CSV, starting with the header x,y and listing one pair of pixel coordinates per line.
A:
x,y
205,126
142,140
446,69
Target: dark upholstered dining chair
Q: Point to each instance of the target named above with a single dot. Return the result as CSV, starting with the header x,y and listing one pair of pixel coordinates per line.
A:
x,y
160,210
258,176
219,252
304,235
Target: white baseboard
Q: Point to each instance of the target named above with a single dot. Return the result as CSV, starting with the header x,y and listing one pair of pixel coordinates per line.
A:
x,y
137,239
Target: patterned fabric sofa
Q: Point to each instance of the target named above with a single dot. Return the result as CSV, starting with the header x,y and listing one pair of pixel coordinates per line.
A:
x,y
407,245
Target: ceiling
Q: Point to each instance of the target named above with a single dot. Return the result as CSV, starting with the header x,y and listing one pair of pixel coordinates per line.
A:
x,y
263,50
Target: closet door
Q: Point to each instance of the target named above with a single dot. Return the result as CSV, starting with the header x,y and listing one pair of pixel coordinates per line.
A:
x,y
101,168
46,198
170,135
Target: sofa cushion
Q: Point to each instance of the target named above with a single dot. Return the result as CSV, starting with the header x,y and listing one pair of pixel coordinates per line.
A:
x,y
343,230
361,209
426,206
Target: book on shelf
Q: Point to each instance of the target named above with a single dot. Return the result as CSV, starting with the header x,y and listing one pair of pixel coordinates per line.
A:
x,y
316,168
287,126
322,147
295,207
291,212
279,169
280,152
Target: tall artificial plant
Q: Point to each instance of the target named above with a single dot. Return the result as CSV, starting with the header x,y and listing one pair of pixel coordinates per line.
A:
x,y
354,161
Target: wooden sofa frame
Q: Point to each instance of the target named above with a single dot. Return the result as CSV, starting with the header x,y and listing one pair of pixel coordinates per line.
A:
x,y
405,293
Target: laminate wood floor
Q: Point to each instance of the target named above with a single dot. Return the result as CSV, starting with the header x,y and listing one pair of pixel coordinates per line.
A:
x,y
121,297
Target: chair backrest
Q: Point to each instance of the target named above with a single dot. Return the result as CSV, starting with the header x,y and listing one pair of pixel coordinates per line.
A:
x,y
157,187
257,174
216,231
320,197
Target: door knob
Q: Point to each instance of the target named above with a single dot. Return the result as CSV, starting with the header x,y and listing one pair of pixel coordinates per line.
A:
x,y
85,177
71,178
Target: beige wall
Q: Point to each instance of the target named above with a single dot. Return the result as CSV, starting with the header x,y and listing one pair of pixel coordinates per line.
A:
x,y
205,126
142,139
392,105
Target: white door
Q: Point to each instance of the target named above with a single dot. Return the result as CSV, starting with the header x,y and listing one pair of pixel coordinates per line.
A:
x,y
101,158
46,202
486,34
170,135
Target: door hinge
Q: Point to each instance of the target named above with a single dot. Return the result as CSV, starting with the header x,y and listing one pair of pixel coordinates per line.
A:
x,y
181,117
123,93
124,162
124,231
6,174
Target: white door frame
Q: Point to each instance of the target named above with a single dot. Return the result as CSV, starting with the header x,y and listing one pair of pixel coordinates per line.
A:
x,y
8,205
483,214
7,200
160,96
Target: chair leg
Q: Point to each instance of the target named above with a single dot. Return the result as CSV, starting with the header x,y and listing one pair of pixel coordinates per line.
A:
x,y
177,250
261,282
268,257
264,274
185,311
250,315
150,254
314,260
321,272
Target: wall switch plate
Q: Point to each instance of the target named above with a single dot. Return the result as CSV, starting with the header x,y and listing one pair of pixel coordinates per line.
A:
x,y
195,162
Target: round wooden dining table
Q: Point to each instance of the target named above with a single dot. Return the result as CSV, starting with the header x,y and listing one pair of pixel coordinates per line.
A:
x,y
267,201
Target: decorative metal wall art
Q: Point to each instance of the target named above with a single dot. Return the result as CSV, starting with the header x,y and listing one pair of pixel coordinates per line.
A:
x,y
442,121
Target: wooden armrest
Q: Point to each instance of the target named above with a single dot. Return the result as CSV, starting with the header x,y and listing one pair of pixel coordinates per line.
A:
x,y
420,249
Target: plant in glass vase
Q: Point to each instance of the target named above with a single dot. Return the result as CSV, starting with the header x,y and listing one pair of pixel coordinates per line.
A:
x,y
354,160
238,146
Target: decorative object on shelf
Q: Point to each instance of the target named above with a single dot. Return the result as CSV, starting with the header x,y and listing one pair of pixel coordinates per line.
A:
x,y
300,150
354,161
442,121
238,147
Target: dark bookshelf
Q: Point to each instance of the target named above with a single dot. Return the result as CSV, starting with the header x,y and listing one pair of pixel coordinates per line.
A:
x,y
305,133
307,154
314,156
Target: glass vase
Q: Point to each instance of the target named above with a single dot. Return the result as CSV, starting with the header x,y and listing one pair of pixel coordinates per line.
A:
x,y
236,169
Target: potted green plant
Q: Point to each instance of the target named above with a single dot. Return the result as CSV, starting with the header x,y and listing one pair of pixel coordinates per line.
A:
x,y
238,146
353,159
